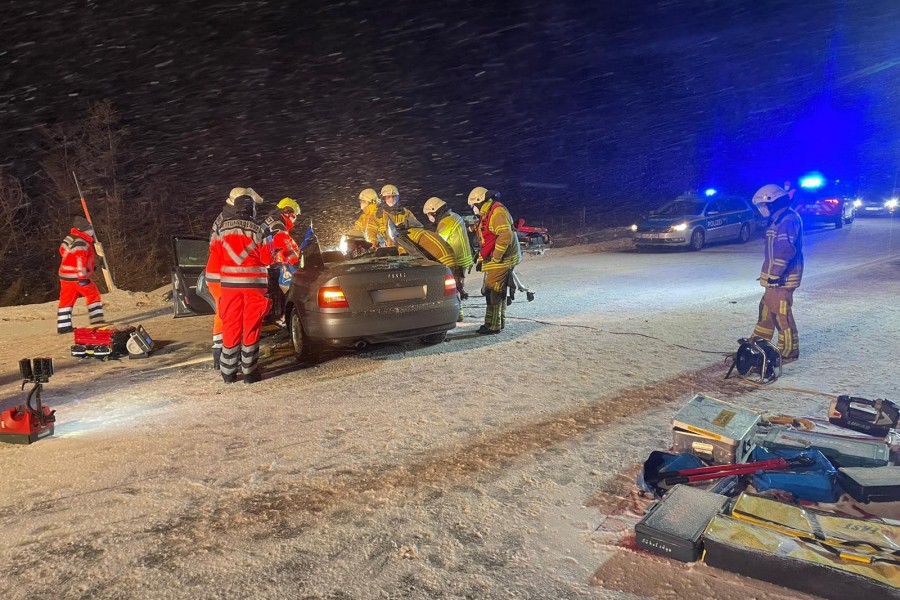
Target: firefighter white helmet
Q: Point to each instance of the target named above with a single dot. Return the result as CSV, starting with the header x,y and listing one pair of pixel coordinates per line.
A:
x,y
432,205
766,194
239,191
477,196
389,190
368,196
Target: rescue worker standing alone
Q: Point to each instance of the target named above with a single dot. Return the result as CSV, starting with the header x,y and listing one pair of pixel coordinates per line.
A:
x,y
452,229
75,271
782,270
499,255
244,256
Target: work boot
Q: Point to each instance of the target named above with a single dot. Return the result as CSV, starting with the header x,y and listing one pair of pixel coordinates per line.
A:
x,y
229,378
485,330
217,355
790,358
66,330
252,377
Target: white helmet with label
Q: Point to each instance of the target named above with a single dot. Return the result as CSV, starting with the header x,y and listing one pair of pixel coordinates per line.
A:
x,y
766,194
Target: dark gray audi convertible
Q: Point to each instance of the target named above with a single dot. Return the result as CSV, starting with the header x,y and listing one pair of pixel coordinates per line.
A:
x,y
338,301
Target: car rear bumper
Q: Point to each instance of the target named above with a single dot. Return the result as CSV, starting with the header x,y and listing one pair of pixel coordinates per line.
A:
x,y
349,329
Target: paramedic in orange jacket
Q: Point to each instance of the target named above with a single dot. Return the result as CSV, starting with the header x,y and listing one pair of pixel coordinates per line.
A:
x,y
782,270
213,283
244,256
75,271
499,254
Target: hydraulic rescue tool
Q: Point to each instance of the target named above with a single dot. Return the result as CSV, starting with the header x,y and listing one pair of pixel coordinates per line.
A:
x,y
755,360
29,422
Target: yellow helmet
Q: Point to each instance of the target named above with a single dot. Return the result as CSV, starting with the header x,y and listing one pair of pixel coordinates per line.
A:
x,y
289,203
432,205
389,190
369,196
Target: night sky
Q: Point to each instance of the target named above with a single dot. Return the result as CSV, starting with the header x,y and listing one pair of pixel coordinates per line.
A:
x,y
562,105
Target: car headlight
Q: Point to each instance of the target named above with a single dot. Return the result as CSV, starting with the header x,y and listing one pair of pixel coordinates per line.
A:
x,y
679,227
343,246
857,203
892,203
634,227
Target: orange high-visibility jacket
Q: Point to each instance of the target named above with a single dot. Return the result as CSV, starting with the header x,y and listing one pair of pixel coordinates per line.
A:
x,y
212,263
78,257
244,254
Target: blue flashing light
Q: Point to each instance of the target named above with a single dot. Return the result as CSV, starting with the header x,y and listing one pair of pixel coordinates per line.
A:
x,y
711,192
812,182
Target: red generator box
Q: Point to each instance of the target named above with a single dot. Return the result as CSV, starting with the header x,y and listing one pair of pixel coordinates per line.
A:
x,y
103,341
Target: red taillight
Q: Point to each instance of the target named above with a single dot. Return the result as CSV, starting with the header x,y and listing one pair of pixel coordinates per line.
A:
x,y
832,201
449,285
332,297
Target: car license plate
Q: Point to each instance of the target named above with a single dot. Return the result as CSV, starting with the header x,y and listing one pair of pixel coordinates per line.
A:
x,y
873,208
417,292
650,236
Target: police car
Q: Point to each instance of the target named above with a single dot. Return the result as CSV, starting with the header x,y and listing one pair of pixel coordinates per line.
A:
x,y
694,220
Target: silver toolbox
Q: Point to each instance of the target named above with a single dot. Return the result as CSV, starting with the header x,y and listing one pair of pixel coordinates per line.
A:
x,y
713,430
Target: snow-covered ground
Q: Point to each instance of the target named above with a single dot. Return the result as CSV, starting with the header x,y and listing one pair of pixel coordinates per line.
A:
x,y
497,467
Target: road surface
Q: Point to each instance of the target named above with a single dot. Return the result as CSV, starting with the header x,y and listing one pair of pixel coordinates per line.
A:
x,y
497,467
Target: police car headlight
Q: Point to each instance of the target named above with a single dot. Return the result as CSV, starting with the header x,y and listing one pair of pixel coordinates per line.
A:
x,y
892,203
679,227
634,227
857,203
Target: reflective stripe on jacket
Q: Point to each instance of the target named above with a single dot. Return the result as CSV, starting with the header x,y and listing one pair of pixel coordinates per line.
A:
x,y
434,245
402,216
452,229
499,245
212,263
784,251
244,254
78,258
367,223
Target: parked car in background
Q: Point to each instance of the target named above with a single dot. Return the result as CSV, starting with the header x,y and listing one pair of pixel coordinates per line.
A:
x,y
693,221
877,206
830,204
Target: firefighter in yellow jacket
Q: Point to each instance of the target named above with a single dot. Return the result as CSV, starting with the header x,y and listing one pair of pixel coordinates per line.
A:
x,y
367,223
499,255
391,210
782,270
452,229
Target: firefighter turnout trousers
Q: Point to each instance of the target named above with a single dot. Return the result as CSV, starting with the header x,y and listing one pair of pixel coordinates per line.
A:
x,y
775,314
494,290
242,311
69,291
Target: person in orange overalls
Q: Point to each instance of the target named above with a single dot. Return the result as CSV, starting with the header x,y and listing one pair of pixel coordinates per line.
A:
x,y
244,255
213,283
75,271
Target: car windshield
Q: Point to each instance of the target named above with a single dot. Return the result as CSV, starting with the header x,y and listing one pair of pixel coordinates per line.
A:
x,y
681,207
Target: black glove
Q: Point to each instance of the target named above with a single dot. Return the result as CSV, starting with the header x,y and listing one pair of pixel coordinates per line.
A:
x,y
478,266
774,281
84,282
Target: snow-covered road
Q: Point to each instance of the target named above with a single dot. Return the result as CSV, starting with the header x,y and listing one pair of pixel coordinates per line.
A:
x,y
479,468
